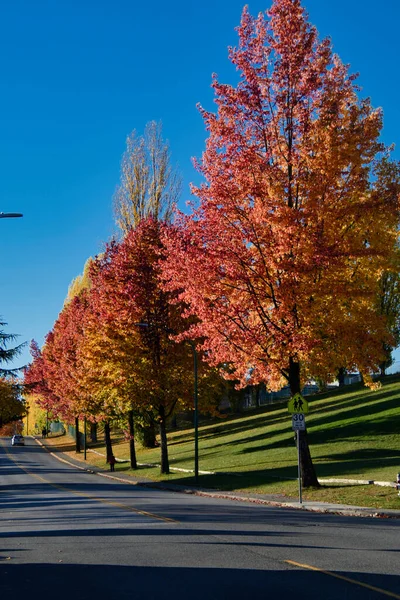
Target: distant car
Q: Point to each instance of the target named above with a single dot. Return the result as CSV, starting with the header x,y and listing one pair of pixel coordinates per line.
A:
x,y
17,440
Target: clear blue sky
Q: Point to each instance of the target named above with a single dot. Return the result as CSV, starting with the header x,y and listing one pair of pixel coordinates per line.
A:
x,y
77,76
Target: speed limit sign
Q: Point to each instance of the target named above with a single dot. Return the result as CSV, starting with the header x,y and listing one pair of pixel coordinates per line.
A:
x,y
298,421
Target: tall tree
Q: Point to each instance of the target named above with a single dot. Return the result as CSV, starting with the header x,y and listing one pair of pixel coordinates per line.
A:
x,y
280,260
150,372
149,186
108,358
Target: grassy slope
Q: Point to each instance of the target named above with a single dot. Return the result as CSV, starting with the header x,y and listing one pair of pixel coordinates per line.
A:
x,y
353,434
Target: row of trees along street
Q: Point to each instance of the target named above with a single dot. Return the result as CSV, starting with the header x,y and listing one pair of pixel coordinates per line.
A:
x,y
283,270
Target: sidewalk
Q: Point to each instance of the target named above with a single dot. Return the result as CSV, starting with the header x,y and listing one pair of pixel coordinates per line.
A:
x,y
266,499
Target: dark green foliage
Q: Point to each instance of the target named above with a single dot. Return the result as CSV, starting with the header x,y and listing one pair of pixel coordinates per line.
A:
x,y
7,354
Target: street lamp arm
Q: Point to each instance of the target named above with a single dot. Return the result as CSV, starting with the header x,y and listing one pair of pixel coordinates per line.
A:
x,y
9,215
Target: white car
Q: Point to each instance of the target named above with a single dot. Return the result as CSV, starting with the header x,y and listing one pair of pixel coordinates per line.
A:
x,y
17,440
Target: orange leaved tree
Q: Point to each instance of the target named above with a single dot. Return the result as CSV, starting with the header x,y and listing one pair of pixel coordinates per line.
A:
x,y
281,257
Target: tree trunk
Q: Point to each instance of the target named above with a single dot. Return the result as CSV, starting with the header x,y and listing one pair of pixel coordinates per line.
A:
x,y
147,435
77,436
308,475
341,375
93,432
163,440
259,394
107,438
132,450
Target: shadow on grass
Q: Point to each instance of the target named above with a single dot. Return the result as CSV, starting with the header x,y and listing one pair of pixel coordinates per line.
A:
x,y
259,478
373,403
328,428
364,454
355,399
235,424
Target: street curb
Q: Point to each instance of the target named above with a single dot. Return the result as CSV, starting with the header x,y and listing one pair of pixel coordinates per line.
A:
x,y
170,487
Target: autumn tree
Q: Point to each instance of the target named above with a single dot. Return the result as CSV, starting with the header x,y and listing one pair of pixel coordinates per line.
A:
x,y
35,382
150,185
78,285
108,357
62,369
280,259
152,373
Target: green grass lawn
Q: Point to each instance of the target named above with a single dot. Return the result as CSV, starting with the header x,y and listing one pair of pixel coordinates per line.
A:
x,y
353,434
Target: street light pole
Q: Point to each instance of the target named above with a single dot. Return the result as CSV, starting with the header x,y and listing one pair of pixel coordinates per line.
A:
x,y
84,438
196,415
9,215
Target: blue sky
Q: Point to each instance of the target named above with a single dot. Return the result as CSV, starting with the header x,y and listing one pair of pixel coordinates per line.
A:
x,y
78,76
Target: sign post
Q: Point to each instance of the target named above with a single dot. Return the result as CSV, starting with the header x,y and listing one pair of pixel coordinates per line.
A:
x,y
298,406
298,424
299,467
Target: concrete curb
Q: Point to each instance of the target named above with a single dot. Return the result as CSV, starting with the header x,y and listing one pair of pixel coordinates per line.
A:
x,y
323,480
358,481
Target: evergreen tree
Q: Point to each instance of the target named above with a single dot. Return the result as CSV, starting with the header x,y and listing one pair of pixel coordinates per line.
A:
x,y
7,354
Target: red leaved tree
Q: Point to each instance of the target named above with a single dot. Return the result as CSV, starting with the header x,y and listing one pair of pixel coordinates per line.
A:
x,y
280,260
36,382
63,370
130,333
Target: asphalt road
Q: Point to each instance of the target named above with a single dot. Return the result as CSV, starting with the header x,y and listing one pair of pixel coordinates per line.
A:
x,y
71,534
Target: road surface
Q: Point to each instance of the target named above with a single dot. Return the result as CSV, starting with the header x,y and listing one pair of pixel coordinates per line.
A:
x,y
71,534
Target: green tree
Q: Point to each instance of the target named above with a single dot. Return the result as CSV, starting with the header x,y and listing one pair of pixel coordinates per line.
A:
x,y
389,306
11,406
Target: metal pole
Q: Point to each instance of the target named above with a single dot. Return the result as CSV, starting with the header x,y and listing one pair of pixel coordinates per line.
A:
x,y
299,465
84,438
196,417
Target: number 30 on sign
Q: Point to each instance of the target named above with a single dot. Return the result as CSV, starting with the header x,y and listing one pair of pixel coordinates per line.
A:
x,y
298,421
